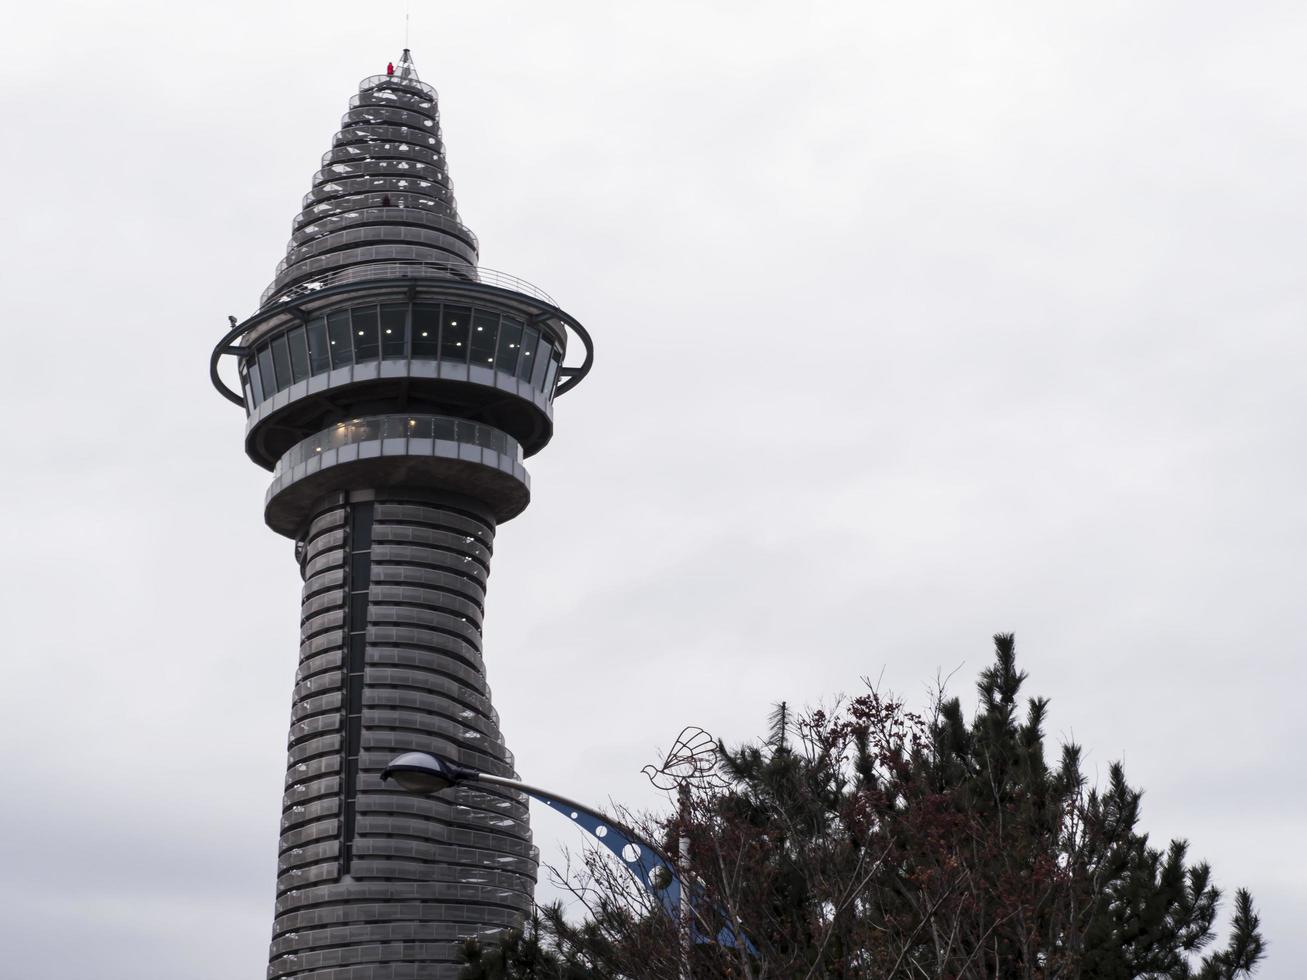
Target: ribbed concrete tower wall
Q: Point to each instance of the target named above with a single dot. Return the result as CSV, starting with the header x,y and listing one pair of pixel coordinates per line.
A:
x,y
374,883
394,389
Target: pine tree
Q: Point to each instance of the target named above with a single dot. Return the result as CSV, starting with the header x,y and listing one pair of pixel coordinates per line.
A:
x,y
874,842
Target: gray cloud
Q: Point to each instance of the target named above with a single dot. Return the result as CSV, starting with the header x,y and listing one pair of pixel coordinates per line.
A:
x,y
913,325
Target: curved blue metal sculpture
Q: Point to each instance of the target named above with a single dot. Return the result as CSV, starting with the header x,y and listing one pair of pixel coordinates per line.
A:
x,y
421,772
644,861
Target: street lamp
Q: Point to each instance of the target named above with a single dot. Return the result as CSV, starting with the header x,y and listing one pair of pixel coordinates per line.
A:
x,y
425,774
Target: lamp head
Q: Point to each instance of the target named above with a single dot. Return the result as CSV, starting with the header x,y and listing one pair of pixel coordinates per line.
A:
x,y
424,774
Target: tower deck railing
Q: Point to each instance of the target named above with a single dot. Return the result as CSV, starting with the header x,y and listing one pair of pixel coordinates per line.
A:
x,y
408,270
356,217
399,428
399,78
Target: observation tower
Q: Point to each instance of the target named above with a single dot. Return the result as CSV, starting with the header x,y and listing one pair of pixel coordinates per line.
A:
x,y
394,388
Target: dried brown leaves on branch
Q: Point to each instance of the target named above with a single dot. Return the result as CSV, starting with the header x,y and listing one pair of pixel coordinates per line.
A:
x,y
869,841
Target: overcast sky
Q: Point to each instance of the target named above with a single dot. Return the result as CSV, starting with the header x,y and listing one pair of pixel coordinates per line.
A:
x,y
915,322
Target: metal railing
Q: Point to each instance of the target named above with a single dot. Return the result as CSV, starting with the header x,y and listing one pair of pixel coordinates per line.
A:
x,y
400,429
377,234
408,270
360,135
398,79
399,149
392,95
382,167
394,215
398,184
395,116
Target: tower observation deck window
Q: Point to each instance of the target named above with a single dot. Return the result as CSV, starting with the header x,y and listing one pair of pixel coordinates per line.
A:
x,y
552,374
485,327
530,340
267,375
394,320
281,361
455,327
256,384
540,361
426,330
510,344
366,342
397,331
342,342
299,355
319,349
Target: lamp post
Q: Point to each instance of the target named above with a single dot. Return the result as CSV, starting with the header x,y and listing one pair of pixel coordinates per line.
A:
x,y
425,774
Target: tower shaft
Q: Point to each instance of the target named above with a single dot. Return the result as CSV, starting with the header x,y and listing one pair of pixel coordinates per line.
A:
x,y
390,661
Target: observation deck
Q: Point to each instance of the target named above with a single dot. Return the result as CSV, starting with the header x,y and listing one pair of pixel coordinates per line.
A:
x,y
380,305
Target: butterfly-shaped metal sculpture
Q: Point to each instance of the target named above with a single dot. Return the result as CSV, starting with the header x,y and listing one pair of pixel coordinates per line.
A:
x,y
691,763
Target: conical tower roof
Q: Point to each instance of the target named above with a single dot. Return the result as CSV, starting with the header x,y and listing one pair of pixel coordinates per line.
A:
x,y
383,196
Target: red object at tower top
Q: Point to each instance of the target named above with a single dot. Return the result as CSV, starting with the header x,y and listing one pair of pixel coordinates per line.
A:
x,y
390,68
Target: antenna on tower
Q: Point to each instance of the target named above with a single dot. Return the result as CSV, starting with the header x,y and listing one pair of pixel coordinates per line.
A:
x,y
407,5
